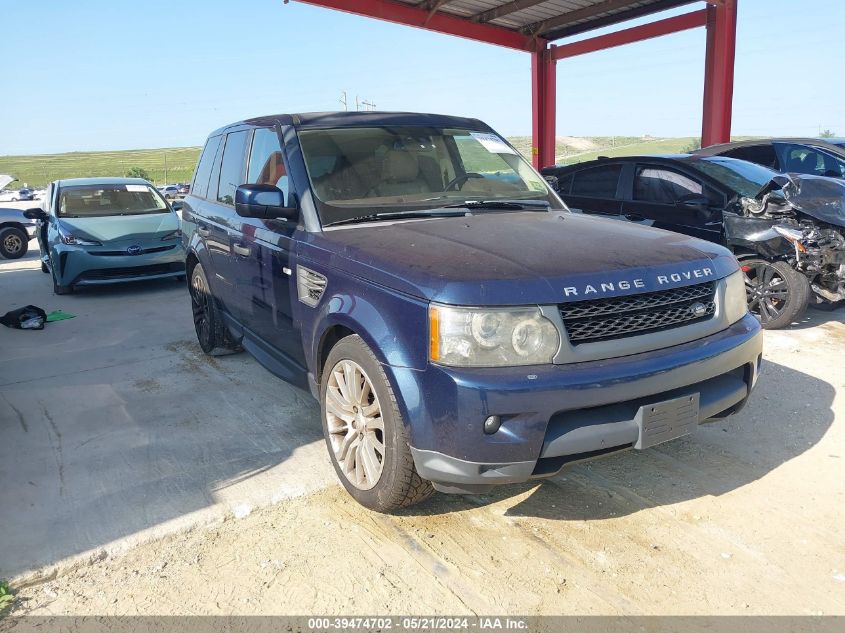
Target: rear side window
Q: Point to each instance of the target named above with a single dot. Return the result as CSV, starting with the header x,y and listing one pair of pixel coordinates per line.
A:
x,y
232,167
596,182
760,154
664,186
266,166
200,184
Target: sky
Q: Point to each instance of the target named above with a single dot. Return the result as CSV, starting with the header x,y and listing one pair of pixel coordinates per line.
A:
x,y
112,74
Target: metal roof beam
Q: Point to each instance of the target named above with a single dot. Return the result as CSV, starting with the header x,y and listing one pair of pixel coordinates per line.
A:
x,y
609,20
538,28
648,31
413,15
505,9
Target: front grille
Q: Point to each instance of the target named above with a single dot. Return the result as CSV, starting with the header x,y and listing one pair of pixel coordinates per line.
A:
x,y
618,317
135,271
123,253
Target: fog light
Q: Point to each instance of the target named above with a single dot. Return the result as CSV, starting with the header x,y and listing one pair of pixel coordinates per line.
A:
x,y
492,424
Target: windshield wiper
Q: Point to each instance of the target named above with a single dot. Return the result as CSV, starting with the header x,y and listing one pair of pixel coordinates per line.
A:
x,y
515,205
391,215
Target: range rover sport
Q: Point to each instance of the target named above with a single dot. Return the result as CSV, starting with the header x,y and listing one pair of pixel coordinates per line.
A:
x,y
459,327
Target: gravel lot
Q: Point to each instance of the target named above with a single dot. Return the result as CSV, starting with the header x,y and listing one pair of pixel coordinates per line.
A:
x,y
743,517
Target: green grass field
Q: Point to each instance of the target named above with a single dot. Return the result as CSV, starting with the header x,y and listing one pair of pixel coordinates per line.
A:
x,y
38,170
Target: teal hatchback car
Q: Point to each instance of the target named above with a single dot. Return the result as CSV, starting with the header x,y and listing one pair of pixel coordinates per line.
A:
x,y
96,231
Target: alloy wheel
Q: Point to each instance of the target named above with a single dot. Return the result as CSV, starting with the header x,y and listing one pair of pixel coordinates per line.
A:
x,y
355,424
12,243
200,306
767,291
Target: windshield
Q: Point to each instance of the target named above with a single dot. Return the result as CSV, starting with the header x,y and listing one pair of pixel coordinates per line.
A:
x,y
401,168
745,178
105,200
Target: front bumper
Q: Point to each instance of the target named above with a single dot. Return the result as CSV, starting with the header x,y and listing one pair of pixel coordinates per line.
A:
x,y
109,264
559,414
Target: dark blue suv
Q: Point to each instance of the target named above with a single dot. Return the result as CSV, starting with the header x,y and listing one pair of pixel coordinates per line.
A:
x,y
459,326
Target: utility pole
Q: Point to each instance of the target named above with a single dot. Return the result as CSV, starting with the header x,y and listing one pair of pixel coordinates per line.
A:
x,y
368,105
343,100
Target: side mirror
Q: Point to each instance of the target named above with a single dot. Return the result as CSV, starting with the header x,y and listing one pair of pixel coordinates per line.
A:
x,y
35,214
552,180
266,202
176,205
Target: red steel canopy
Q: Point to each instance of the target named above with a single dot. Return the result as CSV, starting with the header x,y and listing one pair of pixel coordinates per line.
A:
x,y
532,26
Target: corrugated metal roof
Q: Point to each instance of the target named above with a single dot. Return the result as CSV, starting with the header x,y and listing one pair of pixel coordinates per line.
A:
x,y
551,19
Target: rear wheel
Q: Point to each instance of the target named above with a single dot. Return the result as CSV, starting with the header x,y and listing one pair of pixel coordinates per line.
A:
x,y
13,242
777,294
208,321
365,434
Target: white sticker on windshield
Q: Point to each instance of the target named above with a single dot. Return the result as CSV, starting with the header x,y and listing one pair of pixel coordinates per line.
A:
x,y
492,143
136,188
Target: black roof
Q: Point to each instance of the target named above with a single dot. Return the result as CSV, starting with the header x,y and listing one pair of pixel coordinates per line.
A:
x,y
690,159
832,144
355,119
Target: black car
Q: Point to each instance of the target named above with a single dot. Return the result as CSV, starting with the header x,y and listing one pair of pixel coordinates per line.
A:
x,y
25,194
812,156
788,232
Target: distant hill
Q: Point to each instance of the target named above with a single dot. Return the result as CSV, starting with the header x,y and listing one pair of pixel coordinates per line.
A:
x,y
38,170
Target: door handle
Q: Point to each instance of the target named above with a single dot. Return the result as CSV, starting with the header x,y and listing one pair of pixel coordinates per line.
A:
x,y
634,217
202,231
240,249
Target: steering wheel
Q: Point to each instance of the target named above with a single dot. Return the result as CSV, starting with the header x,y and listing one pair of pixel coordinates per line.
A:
x,y
460,180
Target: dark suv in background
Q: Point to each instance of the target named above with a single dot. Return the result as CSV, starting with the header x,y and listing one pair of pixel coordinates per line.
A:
x,y
459,327
811,156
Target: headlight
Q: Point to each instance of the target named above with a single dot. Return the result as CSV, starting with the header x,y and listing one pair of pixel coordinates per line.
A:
x,y
736,301
174,235
792,235
71,240
491,337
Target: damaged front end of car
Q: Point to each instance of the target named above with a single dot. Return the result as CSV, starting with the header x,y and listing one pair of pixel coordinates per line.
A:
x,y
799,220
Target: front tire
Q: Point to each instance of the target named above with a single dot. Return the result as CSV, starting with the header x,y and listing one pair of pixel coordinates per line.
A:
x,y
777,294
364,431
13,243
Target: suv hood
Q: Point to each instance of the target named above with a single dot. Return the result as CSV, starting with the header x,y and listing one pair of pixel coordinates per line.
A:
x,y
121,227
518,258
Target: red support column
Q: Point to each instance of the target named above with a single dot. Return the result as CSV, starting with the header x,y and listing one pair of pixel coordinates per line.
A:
x,y
719,72
543,108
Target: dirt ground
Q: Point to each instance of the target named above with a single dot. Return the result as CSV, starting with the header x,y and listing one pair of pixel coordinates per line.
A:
x,y
742,517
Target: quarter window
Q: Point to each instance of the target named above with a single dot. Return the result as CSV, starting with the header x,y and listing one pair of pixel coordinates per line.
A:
x,y
664,186
232,167
597,182
266,166
200,184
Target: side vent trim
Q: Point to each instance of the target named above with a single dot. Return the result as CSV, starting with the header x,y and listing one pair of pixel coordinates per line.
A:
x,y
310,286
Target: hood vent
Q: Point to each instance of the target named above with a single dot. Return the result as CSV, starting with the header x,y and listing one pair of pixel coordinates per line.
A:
x,y
310,286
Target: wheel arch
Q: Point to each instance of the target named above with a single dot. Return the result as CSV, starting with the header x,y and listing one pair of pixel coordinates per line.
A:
x,y
13,225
